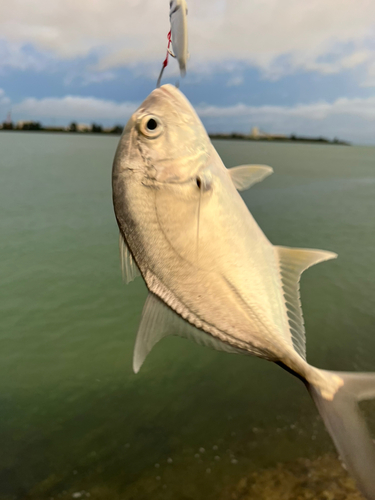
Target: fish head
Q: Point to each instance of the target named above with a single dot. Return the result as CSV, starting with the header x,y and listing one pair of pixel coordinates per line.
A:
x,y
163,177
164,140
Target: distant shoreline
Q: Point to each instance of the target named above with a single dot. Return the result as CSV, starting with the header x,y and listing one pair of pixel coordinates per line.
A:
x,y
117,131
291,139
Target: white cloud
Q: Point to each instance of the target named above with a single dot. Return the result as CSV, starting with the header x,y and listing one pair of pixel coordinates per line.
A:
x,y
88,77
73,108
278,36
4,99
15,55
352,119
370,78
71,28
360,107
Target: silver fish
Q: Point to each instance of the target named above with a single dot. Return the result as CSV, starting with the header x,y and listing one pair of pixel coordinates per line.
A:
x,y
212,274
179,32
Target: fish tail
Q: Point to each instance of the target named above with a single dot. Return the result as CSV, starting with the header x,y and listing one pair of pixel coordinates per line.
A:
x,y
346,424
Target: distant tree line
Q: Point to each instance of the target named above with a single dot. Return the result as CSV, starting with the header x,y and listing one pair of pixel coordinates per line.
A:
x,y
22,126
291,138
94,128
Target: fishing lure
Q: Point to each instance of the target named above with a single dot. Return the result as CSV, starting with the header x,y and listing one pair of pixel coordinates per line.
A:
x,y
177,37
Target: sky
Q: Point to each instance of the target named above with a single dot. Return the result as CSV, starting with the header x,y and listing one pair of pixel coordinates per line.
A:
x,y
286,66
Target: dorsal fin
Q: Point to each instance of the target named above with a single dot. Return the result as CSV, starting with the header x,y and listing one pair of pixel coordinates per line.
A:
x,y
159,321
246,176
293,261
129,268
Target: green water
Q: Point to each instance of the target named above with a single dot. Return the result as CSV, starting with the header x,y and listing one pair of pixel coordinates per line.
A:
x,y
73,416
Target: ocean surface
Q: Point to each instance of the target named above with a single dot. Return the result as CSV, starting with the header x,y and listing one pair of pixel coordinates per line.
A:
x,y
74,420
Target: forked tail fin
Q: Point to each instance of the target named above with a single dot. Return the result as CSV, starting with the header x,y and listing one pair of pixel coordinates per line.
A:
x,y
347,426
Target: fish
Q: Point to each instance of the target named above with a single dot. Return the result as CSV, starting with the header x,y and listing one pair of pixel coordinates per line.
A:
x,y
179,33
212,274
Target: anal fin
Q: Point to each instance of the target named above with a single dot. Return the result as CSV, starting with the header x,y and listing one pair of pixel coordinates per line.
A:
x,y
159,321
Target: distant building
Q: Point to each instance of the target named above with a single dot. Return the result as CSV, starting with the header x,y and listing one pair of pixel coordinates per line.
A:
x,y
255,133
83,127
28,125
259,134
21,124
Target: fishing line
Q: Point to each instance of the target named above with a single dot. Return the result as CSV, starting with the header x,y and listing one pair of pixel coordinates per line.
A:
x,y
199,184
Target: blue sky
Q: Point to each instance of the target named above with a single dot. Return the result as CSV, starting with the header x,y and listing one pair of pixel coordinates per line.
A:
x,y
286,66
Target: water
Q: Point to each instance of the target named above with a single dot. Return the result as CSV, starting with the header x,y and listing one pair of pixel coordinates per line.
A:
x,y
73,416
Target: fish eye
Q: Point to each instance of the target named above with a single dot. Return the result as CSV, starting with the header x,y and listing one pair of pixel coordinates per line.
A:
x,y
151,126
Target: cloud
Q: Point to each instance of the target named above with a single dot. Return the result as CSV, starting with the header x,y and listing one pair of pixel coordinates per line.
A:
x,y
352,119
4,99
74,108
360,107
88,77
22,57
277,36
369,81
70,28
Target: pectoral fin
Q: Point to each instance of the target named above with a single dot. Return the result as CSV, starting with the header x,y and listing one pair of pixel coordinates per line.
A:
x,y
246,176
159,321
128,266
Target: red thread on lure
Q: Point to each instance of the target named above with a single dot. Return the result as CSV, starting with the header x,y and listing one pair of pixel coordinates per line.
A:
x,y
165,63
